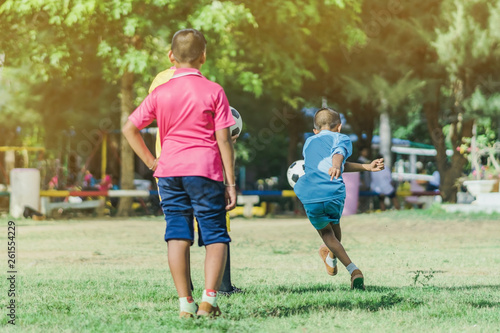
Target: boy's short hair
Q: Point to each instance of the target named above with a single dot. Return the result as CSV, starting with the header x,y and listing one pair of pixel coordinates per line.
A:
x,y
188,45
326,116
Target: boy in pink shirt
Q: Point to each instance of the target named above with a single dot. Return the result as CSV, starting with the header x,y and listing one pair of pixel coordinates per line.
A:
x,y
193,119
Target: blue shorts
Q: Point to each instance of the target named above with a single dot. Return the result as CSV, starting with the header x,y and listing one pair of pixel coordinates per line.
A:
x,y
322,213
184,197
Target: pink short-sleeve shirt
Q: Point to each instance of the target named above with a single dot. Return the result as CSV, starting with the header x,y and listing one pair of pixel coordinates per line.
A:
x,y
189,108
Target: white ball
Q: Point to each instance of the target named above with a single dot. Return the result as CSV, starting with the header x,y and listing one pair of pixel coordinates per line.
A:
x,y
236,128
295,171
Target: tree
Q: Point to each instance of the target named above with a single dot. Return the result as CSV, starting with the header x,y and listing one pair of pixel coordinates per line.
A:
x,y
366,82
467,46
41,60
288,50
120,45
385,97
452,46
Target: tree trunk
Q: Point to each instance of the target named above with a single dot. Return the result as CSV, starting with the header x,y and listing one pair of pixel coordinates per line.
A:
x,y
386,138
449,170
294,130
126,152
447,188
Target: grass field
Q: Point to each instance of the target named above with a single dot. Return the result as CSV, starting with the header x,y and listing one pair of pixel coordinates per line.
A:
x,y
425,271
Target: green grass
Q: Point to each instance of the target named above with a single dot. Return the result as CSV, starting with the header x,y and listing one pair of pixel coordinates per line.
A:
x,y
424,270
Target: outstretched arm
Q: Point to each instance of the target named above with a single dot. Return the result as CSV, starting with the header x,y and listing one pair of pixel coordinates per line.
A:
x,y
375,165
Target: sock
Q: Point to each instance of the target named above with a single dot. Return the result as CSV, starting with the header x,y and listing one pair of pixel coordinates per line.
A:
x,y
332,262
210,296
351,268
188,305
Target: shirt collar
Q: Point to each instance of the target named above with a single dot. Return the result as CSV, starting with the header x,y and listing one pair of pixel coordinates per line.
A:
x,y
187,71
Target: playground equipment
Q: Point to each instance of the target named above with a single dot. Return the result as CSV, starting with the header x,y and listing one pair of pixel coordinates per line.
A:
x,y
250,199
10,158
25,190
248,210
98,203
413,153
48,207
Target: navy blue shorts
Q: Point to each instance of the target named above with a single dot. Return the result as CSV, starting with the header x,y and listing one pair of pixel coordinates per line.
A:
x,y
182,198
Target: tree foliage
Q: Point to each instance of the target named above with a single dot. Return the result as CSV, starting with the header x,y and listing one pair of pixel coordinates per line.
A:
x,y
85,64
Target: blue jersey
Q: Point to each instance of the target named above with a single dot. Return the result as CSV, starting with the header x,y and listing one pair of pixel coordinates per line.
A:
x,y
315,185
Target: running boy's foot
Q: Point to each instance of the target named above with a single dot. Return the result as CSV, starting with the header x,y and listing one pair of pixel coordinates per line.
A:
x,y
357,280
324,252
207,310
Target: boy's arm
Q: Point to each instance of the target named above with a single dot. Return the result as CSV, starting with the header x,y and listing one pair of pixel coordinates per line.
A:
x,y
224,141
375,165
336,168
134,138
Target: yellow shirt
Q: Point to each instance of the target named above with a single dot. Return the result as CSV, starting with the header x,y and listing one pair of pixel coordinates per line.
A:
x,y
161,78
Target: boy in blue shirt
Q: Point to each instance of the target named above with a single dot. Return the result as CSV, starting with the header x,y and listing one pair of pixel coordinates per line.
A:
x,y
322,190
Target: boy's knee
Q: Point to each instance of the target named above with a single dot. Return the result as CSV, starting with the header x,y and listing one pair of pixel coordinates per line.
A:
x,y
326,230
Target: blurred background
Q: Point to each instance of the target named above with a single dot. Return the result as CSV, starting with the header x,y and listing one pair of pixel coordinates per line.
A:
x,y
422,75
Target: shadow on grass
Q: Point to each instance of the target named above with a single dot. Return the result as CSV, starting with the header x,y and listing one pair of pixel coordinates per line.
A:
x,y
304,289
371,305
484,304
325,297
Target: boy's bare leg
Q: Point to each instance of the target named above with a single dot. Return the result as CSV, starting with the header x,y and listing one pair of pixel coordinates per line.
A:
x,y
337,231
331,241
327,255
215,261
189,267
178,261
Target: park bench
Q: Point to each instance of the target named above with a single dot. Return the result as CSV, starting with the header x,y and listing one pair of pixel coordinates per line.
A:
x,y
248,202
48,207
